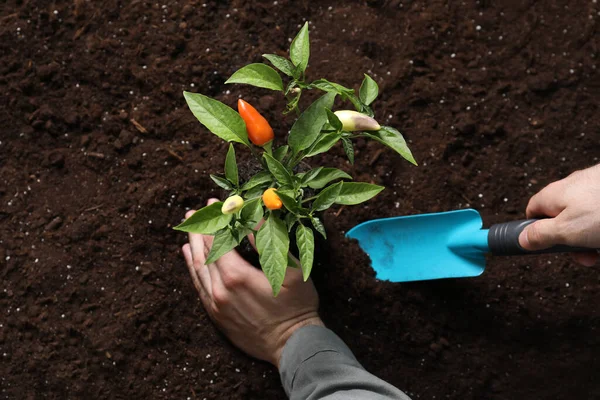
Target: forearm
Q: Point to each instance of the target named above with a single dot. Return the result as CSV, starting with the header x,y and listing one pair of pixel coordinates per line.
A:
x,y
316,364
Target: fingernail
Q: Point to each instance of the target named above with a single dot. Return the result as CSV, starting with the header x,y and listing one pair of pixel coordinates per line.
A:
x,y
211,200
524,239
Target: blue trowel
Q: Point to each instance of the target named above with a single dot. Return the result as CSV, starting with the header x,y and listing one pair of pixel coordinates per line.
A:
x,y
439,245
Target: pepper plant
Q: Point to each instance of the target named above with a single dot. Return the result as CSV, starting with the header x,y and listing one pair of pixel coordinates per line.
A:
x,y
287,202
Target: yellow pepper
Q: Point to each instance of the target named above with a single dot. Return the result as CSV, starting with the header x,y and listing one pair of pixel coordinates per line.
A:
x,y
355,121
232,205
271,200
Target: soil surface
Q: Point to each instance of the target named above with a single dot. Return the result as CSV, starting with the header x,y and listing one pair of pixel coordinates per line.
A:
x,y
100,157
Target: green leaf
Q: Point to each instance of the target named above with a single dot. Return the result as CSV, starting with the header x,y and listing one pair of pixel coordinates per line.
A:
x,y
348,149
287,191
325,176
231,169
252,212
334,121
352,193
268,147
280,153
223,242
332,87
218,118
290,220
327,197
222,182
281,63
319,227
258,179
273,243
367,111
206,221
368,90
344,92
278,170
254,192
306,245
308,126
300,49
324,143
259,75
241,232
393,139
288,202
310,175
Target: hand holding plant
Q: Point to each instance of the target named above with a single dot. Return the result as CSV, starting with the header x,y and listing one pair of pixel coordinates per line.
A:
x,y
239,300
279,193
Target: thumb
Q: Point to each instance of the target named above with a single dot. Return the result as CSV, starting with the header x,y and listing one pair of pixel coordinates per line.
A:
x,y
540,235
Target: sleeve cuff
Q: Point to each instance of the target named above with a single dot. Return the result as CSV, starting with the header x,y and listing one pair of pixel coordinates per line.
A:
x,y
304,344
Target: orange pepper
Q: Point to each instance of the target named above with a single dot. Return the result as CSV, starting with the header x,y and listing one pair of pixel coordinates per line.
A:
x,y
259,130
271,200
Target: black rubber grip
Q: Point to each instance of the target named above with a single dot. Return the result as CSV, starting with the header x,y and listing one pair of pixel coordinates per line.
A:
x,y
503,240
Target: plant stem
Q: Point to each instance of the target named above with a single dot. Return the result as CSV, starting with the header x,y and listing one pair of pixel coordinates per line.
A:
x,y
255,154
309,199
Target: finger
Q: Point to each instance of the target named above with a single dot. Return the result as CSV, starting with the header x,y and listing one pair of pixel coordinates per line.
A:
x,y
548,202
251,237
199,255
541,235
187,254
293,276
252,241
586,259
202,271
235,271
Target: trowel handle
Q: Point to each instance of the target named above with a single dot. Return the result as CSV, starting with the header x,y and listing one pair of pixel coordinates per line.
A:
x,y
503,240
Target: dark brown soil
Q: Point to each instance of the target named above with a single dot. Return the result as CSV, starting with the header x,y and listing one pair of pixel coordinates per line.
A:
x,y
99,158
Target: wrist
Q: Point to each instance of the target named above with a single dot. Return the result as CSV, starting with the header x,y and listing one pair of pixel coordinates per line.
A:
x,y
305,320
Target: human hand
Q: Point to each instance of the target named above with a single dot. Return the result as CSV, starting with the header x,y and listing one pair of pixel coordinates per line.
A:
x,y
572,205
239,299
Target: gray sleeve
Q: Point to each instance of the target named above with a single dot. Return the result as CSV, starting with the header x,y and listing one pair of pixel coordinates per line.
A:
x,y
317,364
